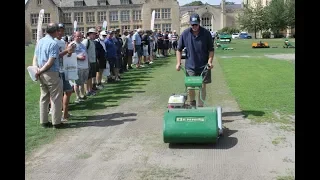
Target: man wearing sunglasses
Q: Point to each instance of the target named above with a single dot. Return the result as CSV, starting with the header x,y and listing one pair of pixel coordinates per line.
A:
x,y
199,52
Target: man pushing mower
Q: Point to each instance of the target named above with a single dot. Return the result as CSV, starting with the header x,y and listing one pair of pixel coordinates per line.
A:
x,y
199,47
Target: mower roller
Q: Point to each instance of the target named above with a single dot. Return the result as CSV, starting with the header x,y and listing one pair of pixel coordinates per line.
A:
x,y
185,123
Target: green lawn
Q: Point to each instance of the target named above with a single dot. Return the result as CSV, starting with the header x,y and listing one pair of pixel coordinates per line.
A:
x,y
259,83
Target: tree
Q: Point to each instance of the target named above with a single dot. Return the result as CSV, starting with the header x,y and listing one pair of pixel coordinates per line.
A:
x,y
276,16
290,13
194,3
253,18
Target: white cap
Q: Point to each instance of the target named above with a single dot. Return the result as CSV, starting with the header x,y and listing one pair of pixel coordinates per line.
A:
x,y
103,33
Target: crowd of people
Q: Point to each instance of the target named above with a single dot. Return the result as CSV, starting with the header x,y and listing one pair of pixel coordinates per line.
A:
x,y
95,50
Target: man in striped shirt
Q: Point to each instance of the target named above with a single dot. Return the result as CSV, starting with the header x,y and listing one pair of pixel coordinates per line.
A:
x,y
174,39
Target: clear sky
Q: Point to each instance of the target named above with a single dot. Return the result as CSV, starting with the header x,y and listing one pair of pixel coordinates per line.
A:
x,y
215,2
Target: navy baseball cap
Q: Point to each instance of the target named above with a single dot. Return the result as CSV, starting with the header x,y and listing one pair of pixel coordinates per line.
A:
x,y
194,19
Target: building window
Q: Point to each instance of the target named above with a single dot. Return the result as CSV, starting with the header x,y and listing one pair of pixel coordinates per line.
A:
x,y
166,27
34,19
157,14
78,16
166,13
102,16
125,15
89,17
137,26
68,31
136,15
34,34
46,18
67,17
125,28
157,26
78,3
102,3
114,16
125,2
80,29
39,2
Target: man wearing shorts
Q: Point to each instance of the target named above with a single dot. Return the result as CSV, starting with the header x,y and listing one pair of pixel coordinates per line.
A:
x,y
137,45
199,45
101,57
67,89
91,51
83,67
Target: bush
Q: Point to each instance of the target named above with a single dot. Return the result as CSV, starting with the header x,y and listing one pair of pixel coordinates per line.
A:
x,y
266,35
229,30
278,35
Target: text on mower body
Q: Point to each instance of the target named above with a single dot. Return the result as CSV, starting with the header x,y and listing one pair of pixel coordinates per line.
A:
x,y
190,119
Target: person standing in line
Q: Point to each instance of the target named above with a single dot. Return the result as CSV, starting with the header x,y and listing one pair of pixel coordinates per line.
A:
x,y
91,51
101,57
67,89
83,67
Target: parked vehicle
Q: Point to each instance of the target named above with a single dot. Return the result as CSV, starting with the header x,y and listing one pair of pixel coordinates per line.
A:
x,y
224,37
235,35
245,35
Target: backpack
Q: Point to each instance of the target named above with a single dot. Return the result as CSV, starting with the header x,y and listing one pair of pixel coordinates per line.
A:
x,y
88,45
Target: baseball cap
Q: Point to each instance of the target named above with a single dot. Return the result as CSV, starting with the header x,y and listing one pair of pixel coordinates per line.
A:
x,y
60,25
103,33
194,19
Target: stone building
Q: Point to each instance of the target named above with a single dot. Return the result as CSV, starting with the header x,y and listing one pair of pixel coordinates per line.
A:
x,y
123,14
213,17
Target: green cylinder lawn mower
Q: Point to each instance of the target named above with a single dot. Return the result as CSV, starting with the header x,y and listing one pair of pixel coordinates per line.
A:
x,y
185,123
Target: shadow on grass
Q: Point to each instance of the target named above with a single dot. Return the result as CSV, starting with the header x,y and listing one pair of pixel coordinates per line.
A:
x,y
224,142
101,120
243,114
126,88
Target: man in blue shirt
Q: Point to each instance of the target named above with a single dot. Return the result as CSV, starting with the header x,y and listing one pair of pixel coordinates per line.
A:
x,y
111,55
199,47
46,58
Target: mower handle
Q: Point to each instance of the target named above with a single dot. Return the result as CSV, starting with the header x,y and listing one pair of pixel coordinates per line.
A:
x,y
205,69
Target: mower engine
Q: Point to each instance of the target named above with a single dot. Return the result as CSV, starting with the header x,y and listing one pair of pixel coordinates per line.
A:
x,y
177,101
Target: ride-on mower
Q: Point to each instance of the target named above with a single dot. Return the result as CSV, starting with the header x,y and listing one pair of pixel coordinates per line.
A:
x,y
260,45
222,46
187,123
287,44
